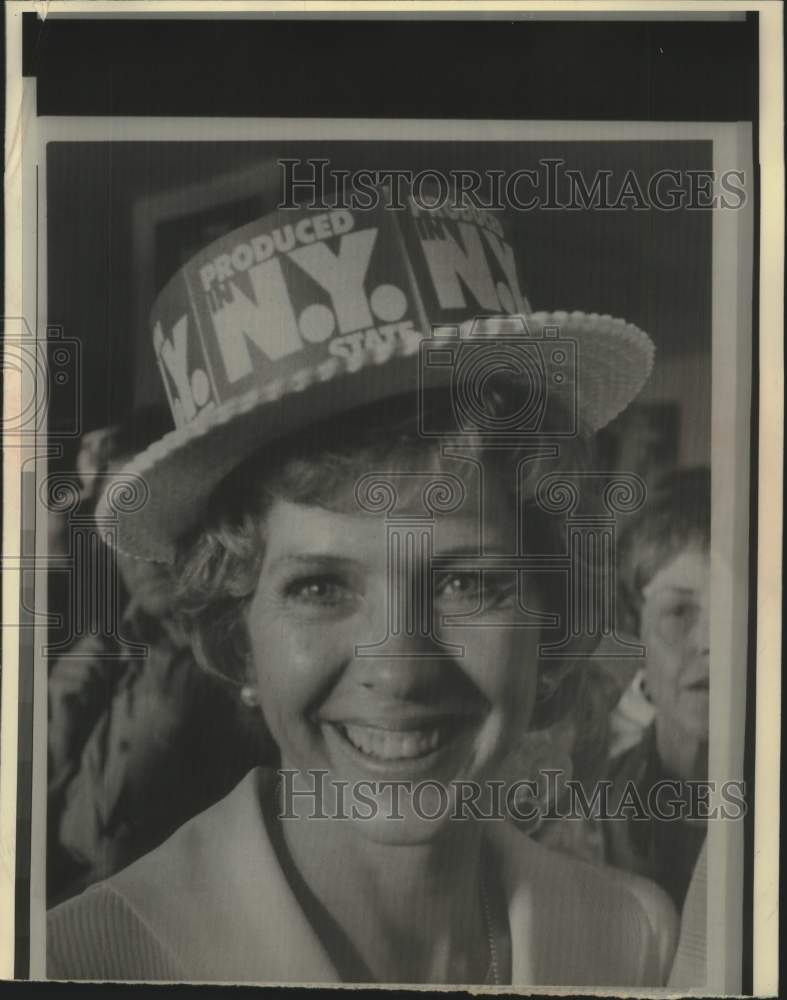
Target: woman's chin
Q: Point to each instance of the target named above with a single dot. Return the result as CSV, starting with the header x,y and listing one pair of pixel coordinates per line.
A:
x,y
410,830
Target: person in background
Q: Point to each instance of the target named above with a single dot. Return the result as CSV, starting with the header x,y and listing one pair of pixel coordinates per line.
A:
x,y
129,732
659,729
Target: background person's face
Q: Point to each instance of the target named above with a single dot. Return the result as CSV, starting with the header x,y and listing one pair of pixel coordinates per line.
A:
x,y
675,631
324,590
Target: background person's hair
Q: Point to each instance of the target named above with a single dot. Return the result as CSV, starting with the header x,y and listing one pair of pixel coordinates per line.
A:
x,y
218,564
675,517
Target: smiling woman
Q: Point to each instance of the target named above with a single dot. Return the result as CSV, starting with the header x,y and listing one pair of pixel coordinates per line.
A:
x,y
366,551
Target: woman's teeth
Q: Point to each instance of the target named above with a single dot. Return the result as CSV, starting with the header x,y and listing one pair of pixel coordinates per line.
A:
x,y
387,744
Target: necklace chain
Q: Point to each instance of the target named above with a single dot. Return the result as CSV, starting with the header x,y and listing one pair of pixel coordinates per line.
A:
x,y
494,969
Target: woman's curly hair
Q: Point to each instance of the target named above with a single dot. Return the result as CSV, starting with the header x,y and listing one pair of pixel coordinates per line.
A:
x,y
675,517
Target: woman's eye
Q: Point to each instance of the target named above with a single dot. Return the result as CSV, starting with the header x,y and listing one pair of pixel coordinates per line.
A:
x,y
680,611
319,591
676,620
461,586
475,588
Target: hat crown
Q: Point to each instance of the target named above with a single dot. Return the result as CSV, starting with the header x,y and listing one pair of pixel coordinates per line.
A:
x,y
298,290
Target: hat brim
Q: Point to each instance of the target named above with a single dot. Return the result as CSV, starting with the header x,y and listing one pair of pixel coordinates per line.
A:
x,y
163,492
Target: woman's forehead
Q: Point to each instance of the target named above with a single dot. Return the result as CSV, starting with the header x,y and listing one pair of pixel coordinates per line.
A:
x,y
296,529
415,474
689,570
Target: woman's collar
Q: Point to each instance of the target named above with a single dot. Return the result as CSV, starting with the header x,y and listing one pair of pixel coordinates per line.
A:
x,y
231,916
216,897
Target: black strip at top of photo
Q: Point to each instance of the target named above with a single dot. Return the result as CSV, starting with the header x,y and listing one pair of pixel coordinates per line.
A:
x,y
487,68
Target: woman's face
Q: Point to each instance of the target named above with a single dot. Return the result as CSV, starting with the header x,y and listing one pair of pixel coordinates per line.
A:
x,y
675,631
395,711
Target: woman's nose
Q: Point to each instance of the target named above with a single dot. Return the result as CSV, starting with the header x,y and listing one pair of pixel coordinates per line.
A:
x,y
700,634
401,617
402,656
415,679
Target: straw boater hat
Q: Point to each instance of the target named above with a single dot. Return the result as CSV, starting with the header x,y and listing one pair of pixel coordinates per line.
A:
x,y
303,315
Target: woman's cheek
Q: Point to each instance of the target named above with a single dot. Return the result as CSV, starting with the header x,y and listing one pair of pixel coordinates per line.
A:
x,y
662,668
289,684
296,659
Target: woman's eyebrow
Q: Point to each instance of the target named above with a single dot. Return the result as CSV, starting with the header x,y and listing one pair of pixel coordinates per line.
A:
x,y
312,559
489,543
675,588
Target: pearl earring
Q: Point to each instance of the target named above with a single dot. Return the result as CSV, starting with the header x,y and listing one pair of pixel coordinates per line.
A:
x,y
248,695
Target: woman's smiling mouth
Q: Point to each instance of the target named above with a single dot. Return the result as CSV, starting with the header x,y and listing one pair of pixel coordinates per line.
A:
x,y
407,745
396,745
